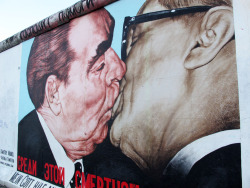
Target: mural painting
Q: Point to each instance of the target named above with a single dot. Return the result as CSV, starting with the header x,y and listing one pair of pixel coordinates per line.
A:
x,y
164,114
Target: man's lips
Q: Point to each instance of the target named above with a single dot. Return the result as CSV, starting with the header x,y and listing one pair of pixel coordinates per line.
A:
x,y
119,101
117,106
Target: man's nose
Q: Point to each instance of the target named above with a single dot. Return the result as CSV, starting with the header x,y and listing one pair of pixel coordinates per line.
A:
x,y
116,67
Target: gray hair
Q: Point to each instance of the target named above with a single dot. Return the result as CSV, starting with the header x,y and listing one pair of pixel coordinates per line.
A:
x,y
170,4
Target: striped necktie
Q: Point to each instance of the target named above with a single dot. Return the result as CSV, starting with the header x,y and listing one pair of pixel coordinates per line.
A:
x,y
78,167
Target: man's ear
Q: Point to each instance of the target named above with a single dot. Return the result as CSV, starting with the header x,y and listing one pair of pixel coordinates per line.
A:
x,y
52,95
216,30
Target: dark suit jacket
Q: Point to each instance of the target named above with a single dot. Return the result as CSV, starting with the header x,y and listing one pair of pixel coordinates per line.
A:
x,y
219,169
106,161
33,144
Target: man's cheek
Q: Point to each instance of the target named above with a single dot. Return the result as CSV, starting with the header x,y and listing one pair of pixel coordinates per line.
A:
x,y
94,93
95,102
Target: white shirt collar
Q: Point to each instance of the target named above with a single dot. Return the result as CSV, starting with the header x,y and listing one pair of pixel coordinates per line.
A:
x,y
59,153
184,160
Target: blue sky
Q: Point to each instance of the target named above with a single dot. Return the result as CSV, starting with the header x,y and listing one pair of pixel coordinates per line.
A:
x,y
16,15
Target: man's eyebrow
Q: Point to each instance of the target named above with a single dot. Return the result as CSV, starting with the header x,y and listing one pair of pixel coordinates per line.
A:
x,y
100,50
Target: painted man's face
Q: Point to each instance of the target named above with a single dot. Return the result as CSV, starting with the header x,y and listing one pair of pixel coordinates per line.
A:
x,y
164,106
93,84
153,91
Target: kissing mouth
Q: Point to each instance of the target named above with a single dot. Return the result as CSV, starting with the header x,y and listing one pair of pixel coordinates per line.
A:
x,y
117,106
119,101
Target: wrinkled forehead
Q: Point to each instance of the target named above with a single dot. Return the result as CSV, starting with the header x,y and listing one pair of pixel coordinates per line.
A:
x,y
150,6
100,19
147,7
90,29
